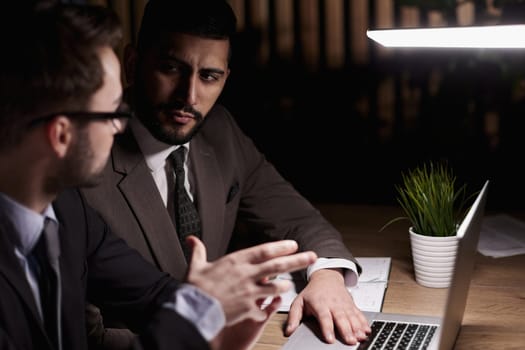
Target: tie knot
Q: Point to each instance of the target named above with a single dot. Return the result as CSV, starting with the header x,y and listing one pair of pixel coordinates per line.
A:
x,y
177,158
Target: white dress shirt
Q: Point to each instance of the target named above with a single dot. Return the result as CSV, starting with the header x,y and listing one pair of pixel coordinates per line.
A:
x,y
155,153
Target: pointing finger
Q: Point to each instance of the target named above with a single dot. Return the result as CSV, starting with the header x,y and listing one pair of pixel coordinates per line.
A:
x,y
267,251
284,264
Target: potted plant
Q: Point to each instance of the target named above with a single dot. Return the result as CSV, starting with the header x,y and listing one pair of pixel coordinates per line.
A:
x,y
435,205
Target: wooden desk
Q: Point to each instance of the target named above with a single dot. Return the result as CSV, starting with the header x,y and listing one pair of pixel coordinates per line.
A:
x,y
495,311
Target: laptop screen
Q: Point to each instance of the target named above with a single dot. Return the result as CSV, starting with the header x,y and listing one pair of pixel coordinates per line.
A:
x,y
468,233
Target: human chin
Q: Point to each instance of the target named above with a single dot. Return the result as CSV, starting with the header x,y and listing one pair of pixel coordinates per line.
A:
x,y
95,175
173,133
93,179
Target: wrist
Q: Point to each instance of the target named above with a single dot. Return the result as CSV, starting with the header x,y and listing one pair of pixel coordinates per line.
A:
x,y
336,273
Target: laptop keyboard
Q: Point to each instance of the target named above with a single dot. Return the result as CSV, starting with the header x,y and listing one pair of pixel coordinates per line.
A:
x,y
399,335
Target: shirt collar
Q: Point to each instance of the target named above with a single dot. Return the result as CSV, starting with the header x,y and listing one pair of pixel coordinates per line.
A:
x,y
27,223
155,152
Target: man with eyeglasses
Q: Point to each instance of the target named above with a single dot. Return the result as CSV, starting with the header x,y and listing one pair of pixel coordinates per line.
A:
x,y
60,100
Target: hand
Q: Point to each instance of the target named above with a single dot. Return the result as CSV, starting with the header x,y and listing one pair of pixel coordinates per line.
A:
x,y
240,279
326,298
243,335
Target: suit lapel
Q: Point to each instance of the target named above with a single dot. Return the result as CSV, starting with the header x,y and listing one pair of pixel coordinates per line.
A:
x,y
71,286
209,195
147,206
11,270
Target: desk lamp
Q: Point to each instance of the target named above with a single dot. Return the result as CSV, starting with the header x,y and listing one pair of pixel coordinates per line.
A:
x,y
495,37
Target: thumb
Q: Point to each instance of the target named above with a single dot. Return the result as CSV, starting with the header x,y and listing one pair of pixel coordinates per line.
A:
x,y
198,254
294,315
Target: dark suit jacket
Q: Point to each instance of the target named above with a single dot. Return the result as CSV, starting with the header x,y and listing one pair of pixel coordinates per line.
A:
x,y
235,186
98,266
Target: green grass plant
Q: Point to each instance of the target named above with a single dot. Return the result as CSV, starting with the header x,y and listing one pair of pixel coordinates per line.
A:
x,y
431,199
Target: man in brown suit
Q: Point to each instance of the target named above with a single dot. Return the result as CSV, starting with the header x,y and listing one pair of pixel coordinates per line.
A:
x,y
176,74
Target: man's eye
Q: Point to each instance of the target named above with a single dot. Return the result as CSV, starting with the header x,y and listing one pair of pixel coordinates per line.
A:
x,y
169,68
210,77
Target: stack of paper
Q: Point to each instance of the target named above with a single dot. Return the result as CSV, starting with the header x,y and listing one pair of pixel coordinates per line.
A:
x,y
368,294
501,236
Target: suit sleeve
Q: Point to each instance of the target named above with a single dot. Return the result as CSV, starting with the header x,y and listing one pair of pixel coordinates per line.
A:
x,y
121,282
168,330
270,204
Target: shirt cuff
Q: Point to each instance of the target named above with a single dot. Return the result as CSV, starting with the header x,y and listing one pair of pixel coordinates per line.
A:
x,y
349,269
201,309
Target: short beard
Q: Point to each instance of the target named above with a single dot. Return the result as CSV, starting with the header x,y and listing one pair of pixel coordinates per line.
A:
x,y
76,168
165,135
148,116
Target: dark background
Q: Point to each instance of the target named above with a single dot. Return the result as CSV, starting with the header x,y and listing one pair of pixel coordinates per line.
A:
x,y
312,124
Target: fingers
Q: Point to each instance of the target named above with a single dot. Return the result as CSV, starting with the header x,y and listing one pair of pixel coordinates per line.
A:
x,y
269,310
247,271
272,308
273,288
198,255
294,316
327,299
351,327
343,323
284,264
360,325
267,251
324,317
244,334
326,324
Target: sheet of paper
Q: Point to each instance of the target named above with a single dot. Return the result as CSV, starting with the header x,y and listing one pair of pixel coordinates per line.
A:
x,y
374,269
501,236
368,294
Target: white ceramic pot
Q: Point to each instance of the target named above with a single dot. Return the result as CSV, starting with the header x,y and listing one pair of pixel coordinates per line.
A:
x,y
433,259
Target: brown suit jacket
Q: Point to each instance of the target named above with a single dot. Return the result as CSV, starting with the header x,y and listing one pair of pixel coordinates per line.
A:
x,y
234,186
241,199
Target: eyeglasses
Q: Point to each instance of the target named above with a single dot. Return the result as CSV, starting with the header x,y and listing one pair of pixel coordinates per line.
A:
x,y
119,118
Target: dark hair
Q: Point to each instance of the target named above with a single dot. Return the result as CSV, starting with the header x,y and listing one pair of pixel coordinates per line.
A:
x,y
213,19
50,60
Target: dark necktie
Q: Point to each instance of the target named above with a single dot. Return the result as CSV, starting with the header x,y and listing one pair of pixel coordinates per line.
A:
x,y
47,284
187,221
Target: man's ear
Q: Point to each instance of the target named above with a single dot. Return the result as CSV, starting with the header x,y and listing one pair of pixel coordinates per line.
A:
x,y
60,134
130,63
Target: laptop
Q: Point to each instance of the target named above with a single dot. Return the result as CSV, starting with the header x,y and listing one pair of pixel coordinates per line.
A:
x,y
402,331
